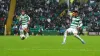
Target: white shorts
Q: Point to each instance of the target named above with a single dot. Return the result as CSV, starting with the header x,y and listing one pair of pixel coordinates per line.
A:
x,y
24,26
72,30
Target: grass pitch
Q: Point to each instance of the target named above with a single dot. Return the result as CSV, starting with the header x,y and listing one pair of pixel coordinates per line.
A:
x,y
49,46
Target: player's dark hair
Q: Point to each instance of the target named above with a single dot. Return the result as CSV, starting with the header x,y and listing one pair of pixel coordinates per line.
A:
x,y
75,11
22,10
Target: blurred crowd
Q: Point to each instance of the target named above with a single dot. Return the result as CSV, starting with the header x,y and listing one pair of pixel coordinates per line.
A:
x,y
4,8
45,14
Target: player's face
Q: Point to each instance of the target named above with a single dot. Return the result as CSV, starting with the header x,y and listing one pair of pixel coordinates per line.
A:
x,y
74,14
23,13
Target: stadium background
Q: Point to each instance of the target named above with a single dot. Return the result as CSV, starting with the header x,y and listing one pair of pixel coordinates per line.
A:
x,y
49,17
52,18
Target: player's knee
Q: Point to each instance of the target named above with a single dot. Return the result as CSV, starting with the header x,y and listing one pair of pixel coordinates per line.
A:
x,y
25,29
21,30
75,34
66,32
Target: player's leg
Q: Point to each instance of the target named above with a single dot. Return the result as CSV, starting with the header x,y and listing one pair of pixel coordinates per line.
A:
x,y
75,32
64,38
21,32
26,30
65,35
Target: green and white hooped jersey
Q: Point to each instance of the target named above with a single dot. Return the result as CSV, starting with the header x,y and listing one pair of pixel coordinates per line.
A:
x,y
24,19
76,22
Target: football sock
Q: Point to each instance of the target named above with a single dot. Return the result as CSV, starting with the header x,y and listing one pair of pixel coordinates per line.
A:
x,y
21,32
65,36
27,34
77,36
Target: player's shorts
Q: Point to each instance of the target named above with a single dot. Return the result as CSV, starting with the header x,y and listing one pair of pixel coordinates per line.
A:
x,y
24,26
72,30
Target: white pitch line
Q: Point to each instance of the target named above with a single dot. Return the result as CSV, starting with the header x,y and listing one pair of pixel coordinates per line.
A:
x,y
51,49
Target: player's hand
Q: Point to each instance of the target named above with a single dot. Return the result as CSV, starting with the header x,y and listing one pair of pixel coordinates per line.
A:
x,y
78,28
28,22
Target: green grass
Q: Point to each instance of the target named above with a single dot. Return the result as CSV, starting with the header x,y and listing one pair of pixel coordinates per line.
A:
x,y
49,46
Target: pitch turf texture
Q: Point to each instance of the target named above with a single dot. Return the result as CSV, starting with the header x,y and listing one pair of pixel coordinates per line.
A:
x,y
49,46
